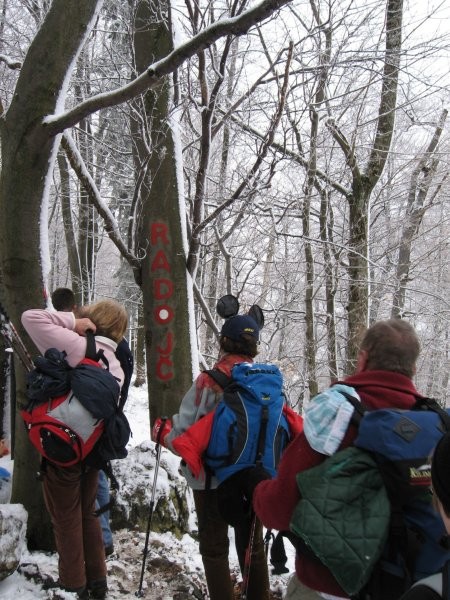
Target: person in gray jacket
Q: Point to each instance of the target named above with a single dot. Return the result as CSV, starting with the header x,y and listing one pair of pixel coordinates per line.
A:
x,y
238,343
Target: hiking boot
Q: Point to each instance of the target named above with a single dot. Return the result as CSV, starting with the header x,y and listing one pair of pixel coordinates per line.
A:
x,y
279,569
81,592
109,550
98,589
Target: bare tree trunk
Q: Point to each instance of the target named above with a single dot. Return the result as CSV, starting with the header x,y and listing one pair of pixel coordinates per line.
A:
x,y
421,180
164,275
363,183
326,232
27,151
139,363
69,231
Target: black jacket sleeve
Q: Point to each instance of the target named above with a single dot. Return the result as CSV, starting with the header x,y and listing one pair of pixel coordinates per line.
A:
x,y
125,357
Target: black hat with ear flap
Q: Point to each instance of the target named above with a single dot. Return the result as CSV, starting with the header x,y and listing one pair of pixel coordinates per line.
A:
x,y
227,306
257,314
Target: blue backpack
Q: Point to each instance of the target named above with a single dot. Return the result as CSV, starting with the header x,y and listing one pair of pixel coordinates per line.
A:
x,y
402,442
249,425
412,542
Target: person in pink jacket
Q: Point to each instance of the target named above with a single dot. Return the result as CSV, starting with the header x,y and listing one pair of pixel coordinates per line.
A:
x,y
70,492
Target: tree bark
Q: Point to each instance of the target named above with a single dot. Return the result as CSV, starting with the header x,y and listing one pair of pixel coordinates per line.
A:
x,y
421,180
164,278
28,151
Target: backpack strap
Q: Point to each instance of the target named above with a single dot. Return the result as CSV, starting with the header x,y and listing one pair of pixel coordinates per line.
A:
x,y
359,407
223,381
219,377
91,349
432,404
262,435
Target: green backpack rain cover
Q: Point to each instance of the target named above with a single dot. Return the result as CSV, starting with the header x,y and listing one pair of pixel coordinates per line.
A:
x,y
343,515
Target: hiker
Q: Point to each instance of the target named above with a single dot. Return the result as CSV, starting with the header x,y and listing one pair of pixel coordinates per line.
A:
x,y
70,492
386,364
436,587
63,299
238,344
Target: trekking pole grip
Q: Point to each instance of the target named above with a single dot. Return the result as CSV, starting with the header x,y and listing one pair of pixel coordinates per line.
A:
x,y
161,429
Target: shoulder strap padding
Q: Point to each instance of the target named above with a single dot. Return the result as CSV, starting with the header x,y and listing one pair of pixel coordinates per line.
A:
x,y
91,349
359,407
219,377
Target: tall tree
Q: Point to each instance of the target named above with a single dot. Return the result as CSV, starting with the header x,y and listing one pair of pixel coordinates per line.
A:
x,y
162,227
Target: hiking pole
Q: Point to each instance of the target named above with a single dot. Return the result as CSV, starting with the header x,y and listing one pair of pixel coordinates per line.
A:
x,y
248,559
11,335
139,593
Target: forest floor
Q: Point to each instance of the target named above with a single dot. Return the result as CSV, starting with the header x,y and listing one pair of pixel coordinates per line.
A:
x,y
168,575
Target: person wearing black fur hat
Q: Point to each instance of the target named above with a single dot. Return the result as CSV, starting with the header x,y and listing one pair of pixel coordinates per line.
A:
x,y
239,339
437,587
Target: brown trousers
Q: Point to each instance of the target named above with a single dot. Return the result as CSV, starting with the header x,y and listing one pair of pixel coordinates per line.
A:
x,y
214,547
69,495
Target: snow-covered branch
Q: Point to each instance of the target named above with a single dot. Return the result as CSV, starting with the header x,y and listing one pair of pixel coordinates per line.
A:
x,y
155,72
9,62
345,147
295,156
267,141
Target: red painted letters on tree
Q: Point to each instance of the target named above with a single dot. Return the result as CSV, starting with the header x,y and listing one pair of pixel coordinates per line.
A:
x,y
163,313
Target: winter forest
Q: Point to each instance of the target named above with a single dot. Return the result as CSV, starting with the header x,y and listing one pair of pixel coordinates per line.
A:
x,y
293,153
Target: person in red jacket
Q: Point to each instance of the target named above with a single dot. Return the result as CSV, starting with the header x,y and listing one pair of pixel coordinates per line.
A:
x,y
385,367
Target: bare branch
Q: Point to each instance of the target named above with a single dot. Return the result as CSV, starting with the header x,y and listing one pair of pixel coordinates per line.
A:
x,y
340,138
11,64
267,142
154,74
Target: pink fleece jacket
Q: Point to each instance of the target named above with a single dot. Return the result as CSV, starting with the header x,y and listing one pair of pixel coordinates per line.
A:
x,y
56,330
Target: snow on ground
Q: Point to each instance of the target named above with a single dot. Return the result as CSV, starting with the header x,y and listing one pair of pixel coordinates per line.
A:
x,y
173,567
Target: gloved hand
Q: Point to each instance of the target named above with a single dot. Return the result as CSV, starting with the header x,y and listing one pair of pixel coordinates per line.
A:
x,y
161,427
251,477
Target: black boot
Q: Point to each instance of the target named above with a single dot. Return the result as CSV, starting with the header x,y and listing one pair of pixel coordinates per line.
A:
x,y
98,589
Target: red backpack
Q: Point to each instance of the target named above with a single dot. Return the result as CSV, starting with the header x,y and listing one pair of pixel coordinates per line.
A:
x,y
61,426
